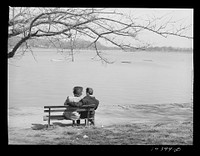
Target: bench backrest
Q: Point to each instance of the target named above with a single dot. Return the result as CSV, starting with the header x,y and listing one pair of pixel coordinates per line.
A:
x,y
59,108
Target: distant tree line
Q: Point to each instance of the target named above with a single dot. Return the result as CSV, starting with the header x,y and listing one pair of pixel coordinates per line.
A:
x,y
83,44
79,44
168,49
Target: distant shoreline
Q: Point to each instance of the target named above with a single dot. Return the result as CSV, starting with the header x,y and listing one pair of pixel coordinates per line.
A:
x,y
83,44
128,51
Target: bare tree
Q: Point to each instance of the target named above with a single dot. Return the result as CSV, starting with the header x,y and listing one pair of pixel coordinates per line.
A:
x,y
96,24
73,45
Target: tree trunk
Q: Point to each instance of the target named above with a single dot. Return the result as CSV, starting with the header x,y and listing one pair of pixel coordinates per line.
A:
x,y
72,49
12,53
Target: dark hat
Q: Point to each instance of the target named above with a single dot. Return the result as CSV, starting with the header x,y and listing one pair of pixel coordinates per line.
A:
x,y
89,90
78,90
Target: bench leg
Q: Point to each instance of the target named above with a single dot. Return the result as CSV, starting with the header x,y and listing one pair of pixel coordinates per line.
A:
x,y
93,121
78,122
87,122
49,118
73,122
49,122
88,114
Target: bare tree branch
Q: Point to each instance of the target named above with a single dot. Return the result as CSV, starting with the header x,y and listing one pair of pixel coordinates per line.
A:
x,y
95,23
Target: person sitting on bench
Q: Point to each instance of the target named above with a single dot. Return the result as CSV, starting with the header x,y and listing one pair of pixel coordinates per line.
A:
x,y
70,113
87,100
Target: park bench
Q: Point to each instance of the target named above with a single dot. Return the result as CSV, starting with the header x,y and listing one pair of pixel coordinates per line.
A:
x,y
51,110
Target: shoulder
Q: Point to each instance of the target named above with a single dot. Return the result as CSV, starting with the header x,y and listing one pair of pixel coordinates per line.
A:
x,y
93,97
73,99
90,99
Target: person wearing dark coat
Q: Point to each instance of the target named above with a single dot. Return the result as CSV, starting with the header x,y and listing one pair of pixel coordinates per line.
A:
x,y
87,100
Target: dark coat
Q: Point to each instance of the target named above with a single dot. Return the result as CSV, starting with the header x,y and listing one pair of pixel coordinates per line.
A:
x,y
87,100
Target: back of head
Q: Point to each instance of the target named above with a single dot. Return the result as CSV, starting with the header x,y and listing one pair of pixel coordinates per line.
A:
x,y
89,91
77,91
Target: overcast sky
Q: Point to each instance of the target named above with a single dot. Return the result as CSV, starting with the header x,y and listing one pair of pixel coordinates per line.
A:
x,y
181,16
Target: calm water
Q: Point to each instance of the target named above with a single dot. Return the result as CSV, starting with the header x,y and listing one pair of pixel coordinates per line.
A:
x,y
149,78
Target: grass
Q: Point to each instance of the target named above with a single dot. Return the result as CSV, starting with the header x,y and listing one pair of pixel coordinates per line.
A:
x,y
168,133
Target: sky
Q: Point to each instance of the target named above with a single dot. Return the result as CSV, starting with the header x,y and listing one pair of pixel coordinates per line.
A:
x,y
181,16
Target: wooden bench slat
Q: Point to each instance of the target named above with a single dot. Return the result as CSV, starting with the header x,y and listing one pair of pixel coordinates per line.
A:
x,y
62,110
54,117
59,117
56,106
88,106
82,110
65,106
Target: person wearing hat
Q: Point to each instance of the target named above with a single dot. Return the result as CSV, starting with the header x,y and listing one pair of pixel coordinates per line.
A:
x,y
70,113
77,91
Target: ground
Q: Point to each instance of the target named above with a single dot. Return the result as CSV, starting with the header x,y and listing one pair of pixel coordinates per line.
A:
x,y
166,133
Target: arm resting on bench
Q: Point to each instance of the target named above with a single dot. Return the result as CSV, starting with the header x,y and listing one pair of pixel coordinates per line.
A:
x,y
88,106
